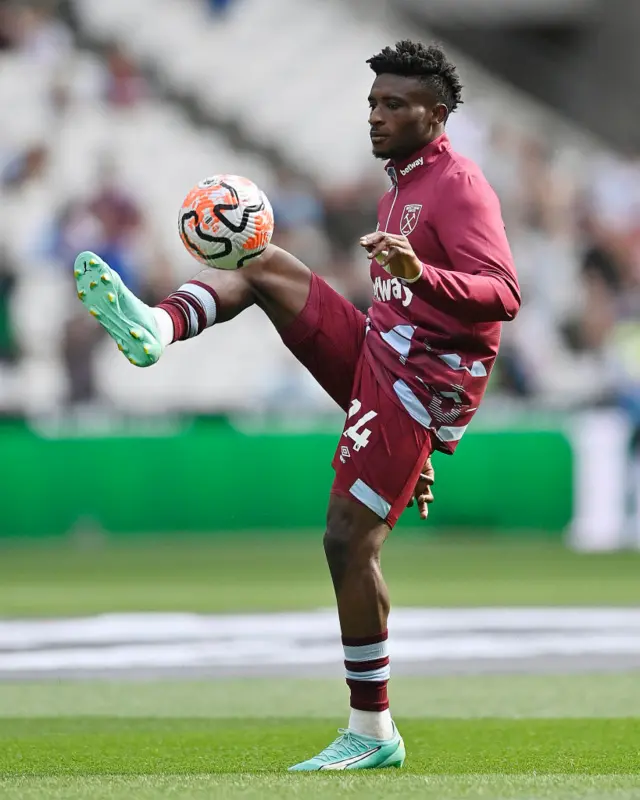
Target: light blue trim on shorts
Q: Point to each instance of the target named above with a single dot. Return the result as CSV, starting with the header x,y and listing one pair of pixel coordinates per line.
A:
x,y
412,405
370,499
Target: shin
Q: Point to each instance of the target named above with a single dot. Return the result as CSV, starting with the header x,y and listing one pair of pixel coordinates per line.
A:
x,y
352,543
277,282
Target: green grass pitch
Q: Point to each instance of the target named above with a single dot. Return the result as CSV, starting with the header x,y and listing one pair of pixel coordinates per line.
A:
x,y
270,573
500,737
466,738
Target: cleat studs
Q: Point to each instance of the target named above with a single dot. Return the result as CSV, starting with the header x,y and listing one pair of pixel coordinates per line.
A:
x,y
120,348
111,297
93,284
77,272
134,334
105,278
133,361
81,294
94,313
93,262
147,350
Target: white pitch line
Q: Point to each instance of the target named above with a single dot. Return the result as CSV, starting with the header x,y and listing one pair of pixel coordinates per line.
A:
x,y
149,641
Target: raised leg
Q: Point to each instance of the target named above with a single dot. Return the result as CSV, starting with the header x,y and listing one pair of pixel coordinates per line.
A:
x,y
276,282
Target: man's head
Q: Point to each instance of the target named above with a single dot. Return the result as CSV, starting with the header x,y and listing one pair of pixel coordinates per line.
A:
x,y
415,90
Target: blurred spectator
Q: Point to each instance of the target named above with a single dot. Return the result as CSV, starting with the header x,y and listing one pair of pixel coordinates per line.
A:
x,y
125,84
220,7
8,344
298,214
81,338
575,231
8,26
110,222
350,212
41,35
612,213
26,167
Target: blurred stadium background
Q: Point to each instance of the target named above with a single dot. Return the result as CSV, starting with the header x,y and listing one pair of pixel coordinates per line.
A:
x,y
111,111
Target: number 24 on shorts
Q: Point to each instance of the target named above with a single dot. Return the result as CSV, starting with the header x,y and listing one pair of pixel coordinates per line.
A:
x,y
357,432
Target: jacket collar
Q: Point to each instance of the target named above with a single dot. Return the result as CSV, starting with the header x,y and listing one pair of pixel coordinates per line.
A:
x,y
402,172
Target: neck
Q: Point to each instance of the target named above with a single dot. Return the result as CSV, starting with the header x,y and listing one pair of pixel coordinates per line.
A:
x,y
405,169
436,134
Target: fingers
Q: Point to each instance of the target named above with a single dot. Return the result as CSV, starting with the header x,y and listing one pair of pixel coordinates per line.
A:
x,y
374,244
424,500
427,496
372,238
423,508
387,255
382,241
378,250
423,493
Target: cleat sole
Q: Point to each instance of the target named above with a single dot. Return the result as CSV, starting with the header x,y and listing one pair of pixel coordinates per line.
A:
x,y
102,292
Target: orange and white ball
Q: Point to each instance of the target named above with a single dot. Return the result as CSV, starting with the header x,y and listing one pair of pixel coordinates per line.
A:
x,y
225,221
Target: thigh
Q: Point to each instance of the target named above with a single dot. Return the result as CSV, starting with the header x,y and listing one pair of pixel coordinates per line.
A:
x,y
381,451
277,282
280,285
327,338
323,330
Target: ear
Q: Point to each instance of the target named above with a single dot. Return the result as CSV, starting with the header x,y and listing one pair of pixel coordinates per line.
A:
x,y
440,113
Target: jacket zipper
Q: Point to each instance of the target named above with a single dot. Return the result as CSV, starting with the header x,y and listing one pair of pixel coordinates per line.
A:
x,y
395,197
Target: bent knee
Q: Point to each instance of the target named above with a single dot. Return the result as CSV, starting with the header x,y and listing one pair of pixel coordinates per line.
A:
x,y
337,541
280,285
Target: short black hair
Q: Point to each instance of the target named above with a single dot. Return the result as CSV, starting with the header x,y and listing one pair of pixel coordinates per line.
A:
x,y
429,63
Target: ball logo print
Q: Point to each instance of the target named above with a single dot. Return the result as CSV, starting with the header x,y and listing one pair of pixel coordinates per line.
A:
x,y
409,219
225,221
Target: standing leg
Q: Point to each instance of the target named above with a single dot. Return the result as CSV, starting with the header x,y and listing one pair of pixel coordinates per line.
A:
x,y
378,461
353,543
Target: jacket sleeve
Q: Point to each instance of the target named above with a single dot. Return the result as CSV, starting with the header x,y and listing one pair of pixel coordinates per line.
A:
x,y
482,285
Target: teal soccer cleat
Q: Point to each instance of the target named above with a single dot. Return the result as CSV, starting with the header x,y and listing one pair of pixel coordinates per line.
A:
x,y
128,320
355,751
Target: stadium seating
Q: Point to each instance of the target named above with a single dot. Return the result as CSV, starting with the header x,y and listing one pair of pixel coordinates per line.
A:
x,y
159,156
293,76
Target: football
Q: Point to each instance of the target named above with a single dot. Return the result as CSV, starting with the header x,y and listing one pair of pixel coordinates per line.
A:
x,y
225,221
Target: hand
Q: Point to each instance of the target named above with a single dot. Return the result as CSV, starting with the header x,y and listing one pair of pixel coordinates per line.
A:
x,y
422,493
394,253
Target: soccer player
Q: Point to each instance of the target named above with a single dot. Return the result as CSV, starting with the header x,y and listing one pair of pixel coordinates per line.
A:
x,y
409,376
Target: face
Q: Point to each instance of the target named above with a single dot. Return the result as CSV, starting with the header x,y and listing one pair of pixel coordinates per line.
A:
x,y
404,116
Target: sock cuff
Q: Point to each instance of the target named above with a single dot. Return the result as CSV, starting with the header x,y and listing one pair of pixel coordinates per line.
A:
x,y
192,308
206,296
204,286
179,318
